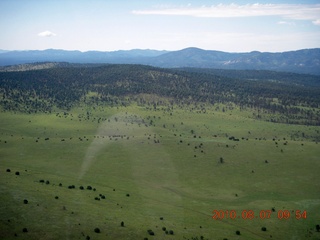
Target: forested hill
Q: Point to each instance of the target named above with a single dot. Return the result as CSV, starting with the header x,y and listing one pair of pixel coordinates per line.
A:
x,y
305,61
68,86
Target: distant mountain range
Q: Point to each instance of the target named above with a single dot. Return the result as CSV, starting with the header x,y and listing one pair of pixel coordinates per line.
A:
x,y
305,61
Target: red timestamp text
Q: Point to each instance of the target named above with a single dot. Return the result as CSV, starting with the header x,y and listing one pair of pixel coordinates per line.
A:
x,y
262,214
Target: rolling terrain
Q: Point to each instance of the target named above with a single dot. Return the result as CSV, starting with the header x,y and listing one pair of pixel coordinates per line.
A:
x,y
305,61
138,152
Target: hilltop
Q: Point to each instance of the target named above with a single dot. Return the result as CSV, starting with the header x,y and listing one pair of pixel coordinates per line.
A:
x,y
305,61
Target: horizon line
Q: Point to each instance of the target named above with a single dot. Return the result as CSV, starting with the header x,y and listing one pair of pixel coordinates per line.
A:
x,y
148,49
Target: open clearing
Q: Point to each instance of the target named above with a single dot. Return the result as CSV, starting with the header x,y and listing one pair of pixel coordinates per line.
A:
x,y
156,170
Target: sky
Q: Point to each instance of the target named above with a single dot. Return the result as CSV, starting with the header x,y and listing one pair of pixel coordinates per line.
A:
x,y
106,25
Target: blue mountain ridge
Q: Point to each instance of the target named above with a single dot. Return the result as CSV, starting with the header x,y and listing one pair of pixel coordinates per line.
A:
x,y
305,61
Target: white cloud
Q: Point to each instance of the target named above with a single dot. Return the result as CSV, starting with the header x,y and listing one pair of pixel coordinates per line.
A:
x,y
316,22
289,11
46,34
286,23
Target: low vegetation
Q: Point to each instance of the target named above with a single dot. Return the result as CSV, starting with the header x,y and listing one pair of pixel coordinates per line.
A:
x,y
155,164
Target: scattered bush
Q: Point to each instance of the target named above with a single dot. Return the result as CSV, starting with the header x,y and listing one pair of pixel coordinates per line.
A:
x,y
238,232
17,173
60,184
25,201
56,197
151,233
81,187
47,182
89,187
42,181
264,229
128,195
161,218
97,198
122,224
171,232
163,228
318,228
8,170
97,230
24,230
88,238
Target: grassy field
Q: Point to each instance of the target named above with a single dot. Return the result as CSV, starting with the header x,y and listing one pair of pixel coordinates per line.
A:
x,y
156,169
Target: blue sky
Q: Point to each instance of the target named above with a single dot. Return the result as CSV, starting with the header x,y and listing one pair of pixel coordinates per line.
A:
x,y
105,25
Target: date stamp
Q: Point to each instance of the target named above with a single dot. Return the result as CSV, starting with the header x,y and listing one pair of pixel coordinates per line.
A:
x,y
262,214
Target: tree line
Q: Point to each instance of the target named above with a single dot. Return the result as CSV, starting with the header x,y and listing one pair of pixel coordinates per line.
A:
x,y
66,87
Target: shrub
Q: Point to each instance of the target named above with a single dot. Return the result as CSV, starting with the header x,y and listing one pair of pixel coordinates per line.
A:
x,y
47,182
87,238
17,173
161,218
97,198
238,232
163,228
25,201
128,195
60,184
24,230
171,232
81,187
56,197
264,229
151,233
8,170
318,228
97,230
89,187
122,224
42,181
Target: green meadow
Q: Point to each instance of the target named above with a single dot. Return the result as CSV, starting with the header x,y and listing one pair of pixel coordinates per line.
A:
x,y
157,173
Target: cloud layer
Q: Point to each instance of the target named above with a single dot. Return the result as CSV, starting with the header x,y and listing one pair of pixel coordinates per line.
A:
x,y
288,11
46,34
